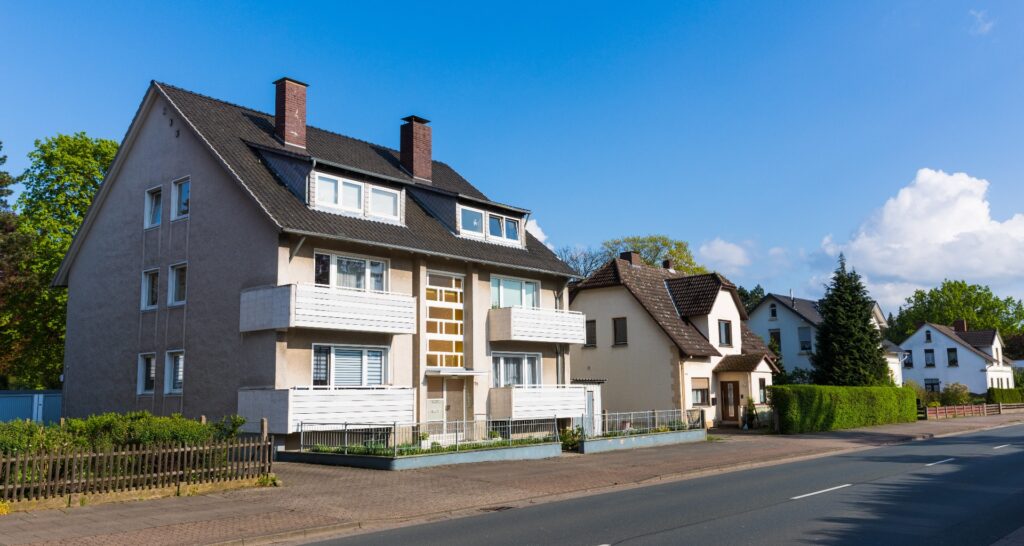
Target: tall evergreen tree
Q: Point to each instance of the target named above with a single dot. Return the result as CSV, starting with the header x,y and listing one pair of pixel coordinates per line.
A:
x,y
848,350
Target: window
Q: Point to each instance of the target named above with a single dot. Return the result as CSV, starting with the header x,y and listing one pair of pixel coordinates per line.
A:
x,y
500,229
150,288
174,378
344,366
146,373
507,292
354,273
700,392
515,369
154,208
929,358
908,359
932,385
445,301
775,338
619,335
181,198
591,334
724,333
338,194
384,203
773,311
176,286
762,390
951,357
927,336
804,335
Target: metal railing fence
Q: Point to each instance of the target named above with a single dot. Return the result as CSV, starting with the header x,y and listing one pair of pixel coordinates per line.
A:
x,y
647,422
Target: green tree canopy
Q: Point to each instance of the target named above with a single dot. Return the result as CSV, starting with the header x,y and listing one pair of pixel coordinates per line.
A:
x,y
752,297
848,351
62,178
954,300
654,249
6,181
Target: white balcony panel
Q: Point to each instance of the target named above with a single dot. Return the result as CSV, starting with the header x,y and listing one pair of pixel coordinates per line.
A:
x,y
308,306
286,409
537,324
538,402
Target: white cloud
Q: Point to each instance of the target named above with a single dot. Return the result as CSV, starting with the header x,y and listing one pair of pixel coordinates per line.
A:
x,y
777,252
724,256
982,23
939,226
534,228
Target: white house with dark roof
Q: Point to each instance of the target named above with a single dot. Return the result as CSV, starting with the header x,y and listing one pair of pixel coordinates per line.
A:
x,y
936,355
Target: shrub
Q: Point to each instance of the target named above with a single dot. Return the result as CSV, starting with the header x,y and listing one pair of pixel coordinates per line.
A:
x,y
571,437
956,394
812,408
1005,396
919,391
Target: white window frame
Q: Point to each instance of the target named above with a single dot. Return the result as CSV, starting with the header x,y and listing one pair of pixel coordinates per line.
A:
x,y
148,221
810,339
398,203
385,369
485,233
169,372
500,379
522,291
174,198
144,300
140,378
728,328
170,284
364,208
366,271
483,223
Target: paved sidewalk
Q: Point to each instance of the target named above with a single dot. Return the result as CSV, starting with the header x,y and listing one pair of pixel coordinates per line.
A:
x,y
316,500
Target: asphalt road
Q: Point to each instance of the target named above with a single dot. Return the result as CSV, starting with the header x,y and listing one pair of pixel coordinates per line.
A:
x,y
959,490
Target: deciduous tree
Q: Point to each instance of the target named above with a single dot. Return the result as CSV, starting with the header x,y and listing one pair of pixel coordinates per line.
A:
x,y
654,249
954,300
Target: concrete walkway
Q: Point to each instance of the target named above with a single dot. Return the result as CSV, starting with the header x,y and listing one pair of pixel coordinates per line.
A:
x,y
318,501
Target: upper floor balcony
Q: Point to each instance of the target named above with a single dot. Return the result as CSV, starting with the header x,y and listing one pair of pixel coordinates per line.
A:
x,y
537,324
313,306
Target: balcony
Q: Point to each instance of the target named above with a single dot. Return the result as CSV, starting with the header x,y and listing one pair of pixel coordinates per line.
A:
x,y
286,409
537,324
311,306
537,402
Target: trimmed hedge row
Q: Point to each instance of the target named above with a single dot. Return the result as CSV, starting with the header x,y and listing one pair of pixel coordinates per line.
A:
x,y
1005,396
102,432
815,408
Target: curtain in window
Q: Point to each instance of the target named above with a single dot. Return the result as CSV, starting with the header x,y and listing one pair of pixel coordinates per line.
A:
x,y
374,367
352,196
496,371
383,203
513,370
322,269
321,360
348,368
177,371
377,271
530,296
351,273
327,190
532,371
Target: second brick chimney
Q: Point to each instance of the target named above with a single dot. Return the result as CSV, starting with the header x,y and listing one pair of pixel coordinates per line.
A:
x,y
415,151
632,257
290,112
960,325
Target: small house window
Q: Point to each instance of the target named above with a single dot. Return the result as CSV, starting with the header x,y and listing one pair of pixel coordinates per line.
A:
x,y
773,311
908,359
350,272
951,357
154,208
515,369
150,288
591,340
762,390
932,385
146,373
620,336
340,366
181,197
514,293
725,333
176,288
174,380
472,222
804,334
700,391
775,338
929,358
500,229
384,203
927,336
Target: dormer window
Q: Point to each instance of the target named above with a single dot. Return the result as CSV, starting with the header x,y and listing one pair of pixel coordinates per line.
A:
x,y
500,229
338,195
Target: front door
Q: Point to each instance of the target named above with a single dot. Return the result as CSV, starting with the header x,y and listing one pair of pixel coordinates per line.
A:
x,y
455,399
729,394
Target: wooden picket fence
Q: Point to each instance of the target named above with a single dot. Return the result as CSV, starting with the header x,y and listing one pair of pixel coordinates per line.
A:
x,y
132,468
950,412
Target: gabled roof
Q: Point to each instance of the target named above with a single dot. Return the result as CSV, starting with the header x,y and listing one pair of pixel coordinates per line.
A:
x,y
804,308
239,137
695,295
744,363
955,336
978,338
753,343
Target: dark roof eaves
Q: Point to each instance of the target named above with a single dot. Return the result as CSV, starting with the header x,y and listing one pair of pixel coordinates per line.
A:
x,y
791,308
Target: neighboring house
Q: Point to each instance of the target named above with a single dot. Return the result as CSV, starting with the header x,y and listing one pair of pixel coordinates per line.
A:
x,y
237,261
793,324
665,340
936,355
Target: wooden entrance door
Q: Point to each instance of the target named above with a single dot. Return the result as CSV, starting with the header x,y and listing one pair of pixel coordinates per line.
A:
x,y
729,396
455,399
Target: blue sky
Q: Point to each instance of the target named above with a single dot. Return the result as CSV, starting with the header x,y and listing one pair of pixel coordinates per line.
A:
x,y
769,135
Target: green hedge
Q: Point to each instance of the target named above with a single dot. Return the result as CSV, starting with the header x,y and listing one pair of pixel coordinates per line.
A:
x,y
101,432
1005,396
814,408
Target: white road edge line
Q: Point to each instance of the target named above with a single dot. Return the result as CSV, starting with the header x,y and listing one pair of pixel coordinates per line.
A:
x,y
942,461
1002,446
798,497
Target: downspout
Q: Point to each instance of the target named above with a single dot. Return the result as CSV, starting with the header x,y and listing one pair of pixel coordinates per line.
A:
x,y
310,175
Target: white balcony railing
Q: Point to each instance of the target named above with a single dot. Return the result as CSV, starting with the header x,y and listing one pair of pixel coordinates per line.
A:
x,y
537,401
311,306
537,324
285,409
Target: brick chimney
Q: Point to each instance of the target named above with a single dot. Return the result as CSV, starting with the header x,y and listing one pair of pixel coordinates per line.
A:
x,y
415,152
290,112
632,257
667,264
960,325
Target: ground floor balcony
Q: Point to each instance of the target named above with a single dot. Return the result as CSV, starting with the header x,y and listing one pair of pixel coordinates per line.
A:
x,y
327,308
287,409
542,402
536,324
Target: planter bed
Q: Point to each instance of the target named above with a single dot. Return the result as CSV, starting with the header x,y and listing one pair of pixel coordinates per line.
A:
x,y
383,462
634,441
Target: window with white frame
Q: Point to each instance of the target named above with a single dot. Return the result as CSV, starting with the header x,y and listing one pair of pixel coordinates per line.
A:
x,y
804,335
176,284
154,208
182,190
336,194
509,292
952,359
700,391
146,373
174,372
725,333
347,366
509,369
498,229
351,272
929,358
150,288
